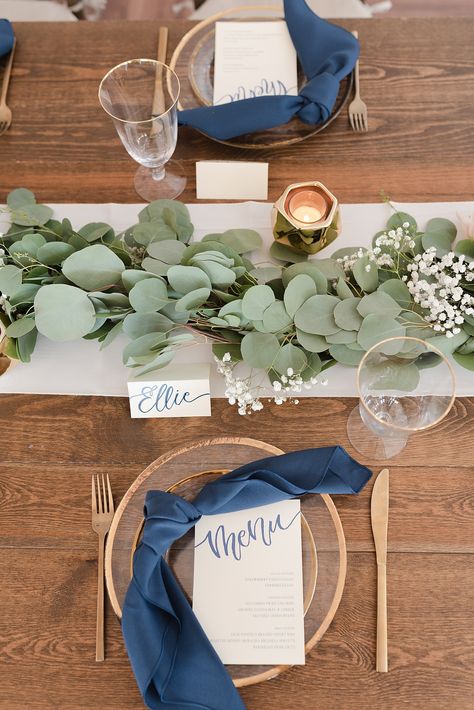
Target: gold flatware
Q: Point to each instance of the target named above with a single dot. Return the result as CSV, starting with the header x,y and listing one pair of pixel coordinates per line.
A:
x,y
379,517
102,514
357,108
5,112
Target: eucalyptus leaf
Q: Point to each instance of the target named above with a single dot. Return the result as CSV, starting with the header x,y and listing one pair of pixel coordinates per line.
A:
x,y
185,279
242,240
342,336
54,252
256,300
398,220
466,361
94,231
31,215
193,299
220,276
398,290
113,333
170,251
310,269
20,327
331,269
345,355
310,342
63,312
154,266
137,324
466,247
441,242
26,344
260,349
366,274
313,368
93,268
266,273
448,345
299,289
10,279
442,226
374,329
148,296
288,357
379,303
130,277
343,290
275,318
25,294
19,198
316,315
220,349
346,314
161,360
282,252
143,346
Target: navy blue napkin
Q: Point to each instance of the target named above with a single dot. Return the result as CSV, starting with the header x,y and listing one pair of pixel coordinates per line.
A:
x,y
7,37
174,663
327,54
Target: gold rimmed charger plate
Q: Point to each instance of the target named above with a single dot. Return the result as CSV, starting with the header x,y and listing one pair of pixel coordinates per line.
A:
x,y
193,62
183,471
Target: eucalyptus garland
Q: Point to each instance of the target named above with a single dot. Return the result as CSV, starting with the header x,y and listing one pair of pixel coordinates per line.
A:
x,y
291,317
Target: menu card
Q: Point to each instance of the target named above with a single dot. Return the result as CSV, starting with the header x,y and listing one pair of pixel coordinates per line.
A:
x,y
253,59
248,584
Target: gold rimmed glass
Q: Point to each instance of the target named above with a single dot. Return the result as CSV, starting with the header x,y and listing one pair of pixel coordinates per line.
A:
x,y
405,385
141,97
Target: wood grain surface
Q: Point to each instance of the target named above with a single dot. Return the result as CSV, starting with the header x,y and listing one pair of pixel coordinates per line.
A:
x,y
418,80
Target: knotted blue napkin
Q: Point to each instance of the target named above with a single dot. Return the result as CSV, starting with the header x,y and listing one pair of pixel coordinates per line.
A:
x,y
327,54
173,661
7,37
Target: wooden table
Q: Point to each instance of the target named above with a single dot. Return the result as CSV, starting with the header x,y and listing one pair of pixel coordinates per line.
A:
x,y
418,80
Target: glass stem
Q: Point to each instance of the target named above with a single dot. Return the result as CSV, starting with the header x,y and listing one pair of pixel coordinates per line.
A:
x,y
158,173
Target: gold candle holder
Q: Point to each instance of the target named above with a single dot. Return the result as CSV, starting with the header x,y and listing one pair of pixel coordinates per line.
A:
x,y
306,217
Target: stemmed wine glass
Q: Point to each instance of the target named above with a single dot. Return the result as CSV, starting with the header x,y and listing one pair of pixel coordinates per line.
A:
x,y
405,385
141,97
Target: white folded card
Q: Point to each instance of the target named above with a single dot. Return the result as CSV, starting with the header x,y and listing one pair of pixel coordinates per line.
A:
x,y
248,584
178,392
253,59
231,180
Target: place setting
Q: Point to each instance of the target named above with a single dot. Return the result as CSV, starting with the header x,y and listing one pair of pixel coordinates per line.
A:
x,y
325,341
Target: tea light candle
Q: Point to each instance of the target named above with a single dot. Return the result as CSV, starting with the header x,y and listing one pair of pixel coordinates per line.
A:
x,y
308,206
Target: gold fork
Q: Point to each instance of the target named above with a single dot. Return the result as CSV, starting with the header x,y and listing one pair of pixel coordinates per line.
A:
x,y
5,112
357,108
102,514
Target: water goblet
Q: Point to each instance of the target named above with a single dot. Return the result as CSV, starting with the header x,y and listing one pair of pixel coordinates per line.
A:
x,y
141,97
405,385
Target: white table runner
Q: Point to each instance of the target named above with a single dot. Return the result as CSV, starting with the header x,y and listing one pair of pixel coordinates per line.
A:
x,y
79,367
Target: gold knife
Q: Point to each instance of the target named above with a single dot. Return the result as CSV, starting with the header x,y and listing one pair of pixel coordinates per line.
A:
x,y
379,517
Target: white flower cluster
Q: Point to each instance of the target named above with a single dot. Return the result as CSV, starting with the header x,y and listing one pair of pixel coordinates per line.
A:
x,y
441,293
397,239
243,393
2,254
238,391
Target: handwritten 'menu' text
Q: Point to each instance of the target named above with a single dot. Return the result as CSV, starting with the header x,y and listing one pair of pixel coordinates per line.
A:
x,y
231,544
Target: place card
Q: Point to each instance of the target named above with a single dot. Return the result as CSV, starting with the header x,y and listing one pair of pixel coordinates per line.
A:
x,y
253,59
248,584
178,392
231,180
